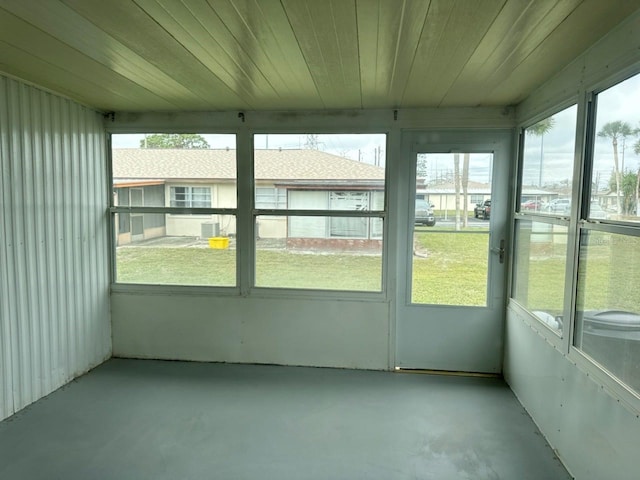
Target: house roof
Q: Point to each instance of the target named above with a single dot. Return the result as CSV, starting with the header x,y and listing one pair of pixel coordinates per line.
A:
x,y
276,165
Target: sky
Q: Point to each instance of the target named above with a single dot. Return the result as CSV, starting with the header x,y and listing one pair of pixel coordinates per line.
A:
x,y
363,147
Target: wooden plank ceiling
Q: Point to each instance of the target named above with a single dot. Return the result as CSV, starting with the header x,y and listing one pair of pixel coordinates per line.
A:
x,y
181,55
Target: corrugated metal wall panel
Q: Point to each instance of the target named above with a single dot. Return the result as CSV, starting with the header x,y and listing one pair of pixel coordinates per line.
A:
x,y
54,273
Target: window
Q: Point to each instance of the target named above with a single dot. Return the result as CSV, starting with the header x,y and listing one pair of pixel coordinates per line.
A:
x,y
330,233
193,173
475,199
608,304
608,298
540,266
541,242
547,164
191,197
271,198
615,191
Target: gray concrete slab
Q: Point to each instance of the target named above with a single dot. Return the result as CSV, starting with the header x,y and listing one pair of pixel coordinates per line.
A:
x,y
136,419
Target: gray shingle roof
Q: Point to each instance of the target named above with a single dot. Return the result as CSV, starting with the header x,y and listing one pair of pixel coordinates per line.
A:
x,y
220,164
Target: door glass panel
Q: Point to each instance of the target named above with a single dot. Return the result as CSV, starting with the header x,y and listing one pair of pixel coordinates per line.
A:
x,y
452,213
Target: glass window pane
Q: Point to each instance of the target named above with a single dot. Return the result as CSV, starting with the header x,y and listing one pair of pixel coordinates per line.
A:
x,y
450,231
450,267
616,159
162,249
327,253
547,164
320,172
192,170
608,303
539,270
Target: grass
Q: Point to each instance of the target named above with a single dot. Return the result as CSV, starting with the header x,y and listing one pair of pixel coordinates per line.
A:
x,y
449,268
453,272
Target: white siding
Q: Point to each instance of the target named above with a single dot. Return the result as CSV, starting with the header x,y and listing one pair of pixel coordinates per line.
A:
x,y
54,280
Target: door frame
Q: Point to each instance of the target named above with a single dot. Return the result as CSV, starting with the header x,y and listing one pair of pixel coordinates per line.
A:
x,y
445,337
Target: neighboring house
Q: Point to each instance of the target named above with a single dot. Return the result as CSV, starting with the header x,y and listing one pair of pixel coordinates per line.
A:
x,y
284,179
443,196
137,226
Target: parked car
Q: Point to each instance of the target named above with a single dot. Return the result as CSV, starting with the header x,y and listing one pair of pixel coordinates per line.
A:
x,y
596,212
424,213
482,210
559,205
532,205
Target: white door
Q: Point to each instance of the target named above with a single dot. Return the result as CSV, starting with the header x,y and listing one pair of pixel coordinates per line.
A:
x,y
451,295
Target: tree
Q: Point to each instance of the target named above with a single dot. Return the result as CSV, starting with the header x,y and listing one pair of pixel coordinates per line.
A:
x,y
456,179
311,142
174,140
465,190
628,191
615,131
421,166
539,129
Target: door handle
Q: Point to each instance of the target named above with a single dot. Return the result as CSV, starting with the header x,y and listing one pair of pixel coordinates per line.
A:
x,y
500,251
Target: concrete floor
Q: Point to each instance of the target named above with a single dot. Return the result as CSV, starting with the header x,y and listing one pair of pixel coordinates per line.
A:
x,y
135,419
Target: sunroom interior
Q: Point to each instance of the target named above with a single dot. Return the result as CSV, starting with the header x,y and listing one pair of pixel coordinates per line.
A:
x,y
440,191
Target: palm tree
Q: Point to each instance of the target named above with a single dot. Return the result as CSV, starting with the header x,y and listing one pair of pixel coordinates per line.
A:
x,y
539,129
465,189
615,131
457,184
636,149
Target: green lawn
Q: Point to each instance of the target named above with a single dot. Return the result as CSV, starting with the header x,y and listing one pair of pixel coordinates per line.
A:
x,y
448,268
453,271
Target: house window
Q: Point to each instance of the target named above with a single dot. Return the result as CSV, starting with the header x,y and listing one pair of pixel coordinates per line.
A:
x,y
191,197
349,227
271,198
330,234
475,199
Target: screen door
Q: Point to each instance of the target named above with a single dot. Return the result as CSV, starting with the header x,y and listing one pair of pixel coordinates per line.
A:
x,y
452,298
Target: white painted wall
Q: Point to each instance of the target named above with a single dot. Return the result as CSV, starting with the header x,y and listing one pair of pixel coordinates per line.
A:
x,y
595,436
54,273
290,330
592,423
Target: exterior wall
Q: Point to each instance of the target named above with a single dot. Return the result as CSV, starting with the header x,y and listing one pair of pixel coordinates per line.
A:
x,y
272,227
224,195
443,201
54,273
